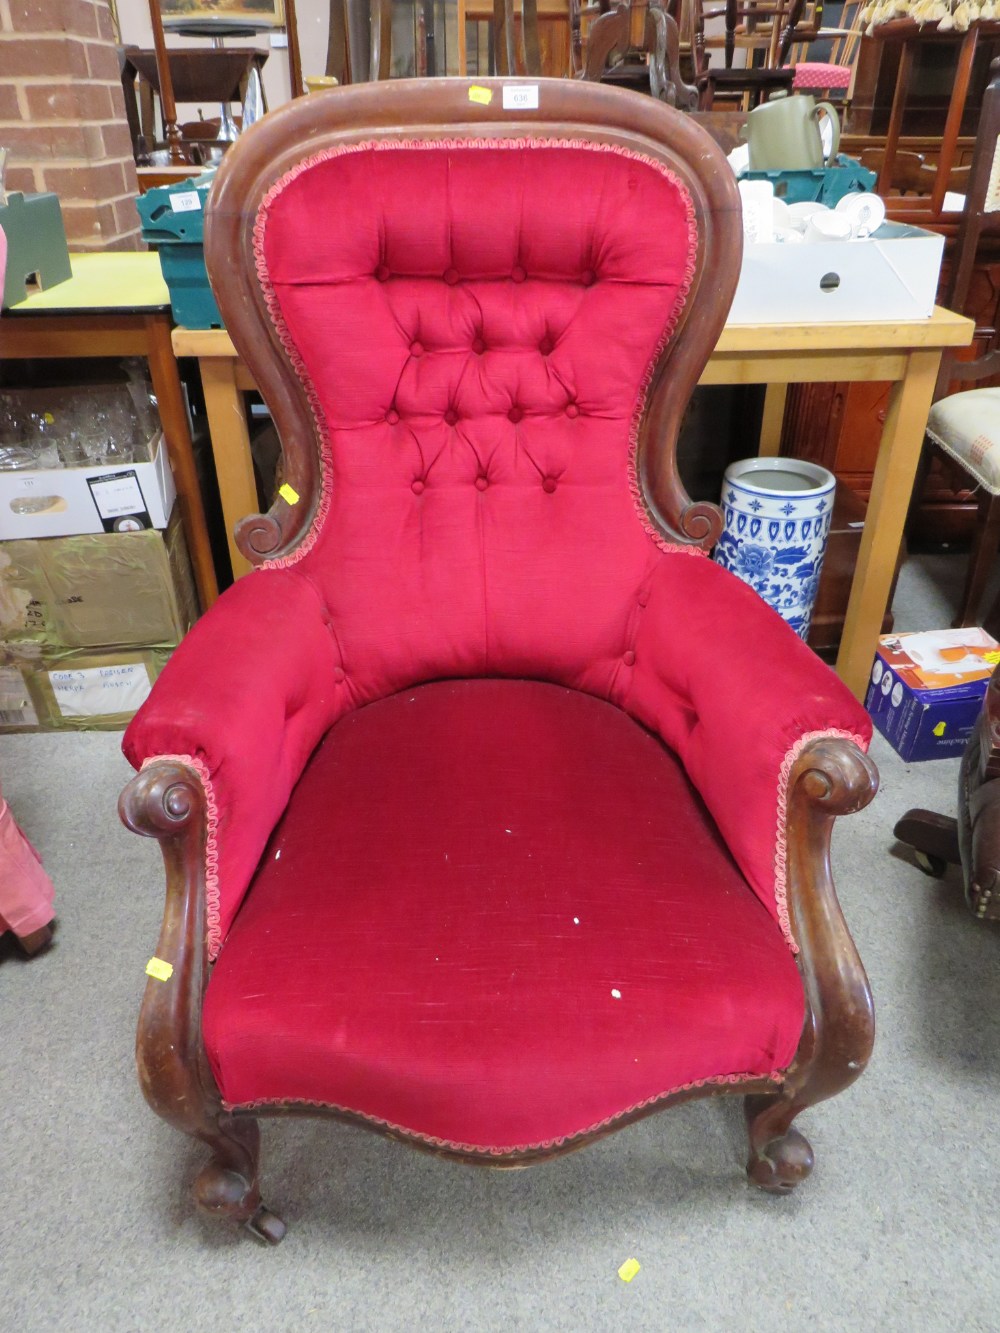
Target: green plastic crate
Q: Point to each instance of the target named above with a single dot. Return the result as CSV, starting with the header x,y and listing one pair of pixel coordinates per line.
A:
x,y
823,185
173,223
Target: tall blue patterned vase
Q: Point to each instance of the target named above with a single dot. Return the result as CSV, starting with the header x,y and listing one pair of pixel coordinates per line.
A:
x,y
777,520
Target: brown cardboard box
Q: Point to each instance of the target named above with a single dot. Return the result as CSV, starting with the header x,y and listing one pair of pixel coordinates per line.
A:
x,y
96,591
71,690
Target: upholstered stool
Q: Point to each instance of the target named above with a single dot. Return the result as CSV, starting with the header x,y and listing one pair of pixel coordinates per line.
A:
x,y
26,891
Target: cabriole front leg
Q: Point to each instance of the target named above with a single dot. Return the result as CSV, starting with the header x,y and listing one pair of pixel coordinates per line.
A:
x,y
831,777
166,801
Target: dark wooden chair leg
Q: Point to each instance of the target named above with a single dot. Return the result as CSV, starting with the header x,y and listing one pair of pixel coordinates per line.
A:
x,y
780,1157
229,1185
933,837
984,550
35,942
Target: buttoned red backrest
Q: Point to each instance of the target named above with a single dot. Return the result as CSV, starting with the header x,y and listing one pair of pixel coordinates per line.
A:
x,y
476,323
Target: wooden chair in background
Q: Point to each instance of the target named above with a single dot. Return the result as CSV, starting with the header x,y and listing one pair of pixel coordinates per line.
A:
x,y
966,425
647,40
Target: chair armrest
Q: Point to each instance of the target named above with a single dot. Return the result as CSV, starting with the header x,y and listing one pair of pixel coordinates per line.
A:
x,y
738,696
244,701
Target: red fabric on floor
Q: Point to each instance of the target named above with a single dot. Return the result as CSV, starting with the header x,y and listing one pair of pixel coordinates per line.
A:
x,y
496,914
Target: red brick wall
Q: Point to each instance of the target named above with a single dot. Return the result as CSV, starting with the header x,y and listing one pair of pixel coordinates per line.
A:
x,y
62,117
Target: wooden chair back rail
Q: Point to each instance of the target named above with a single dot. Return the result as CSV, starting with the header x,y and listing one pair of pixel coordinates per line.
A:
x,y
980,218
631,29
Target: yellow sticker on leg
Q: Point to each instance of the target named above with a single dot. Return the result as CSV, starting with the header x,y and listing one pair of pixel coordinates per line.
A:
x,y
159,970
289,494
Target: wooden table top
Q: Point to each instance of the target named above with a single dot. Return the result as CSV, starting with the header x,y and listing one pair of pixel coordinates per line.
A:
x,y
943,329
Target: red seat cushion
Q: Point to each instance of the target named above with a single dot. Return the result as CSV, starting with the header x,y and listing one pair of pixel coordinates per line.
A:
x,y
496,915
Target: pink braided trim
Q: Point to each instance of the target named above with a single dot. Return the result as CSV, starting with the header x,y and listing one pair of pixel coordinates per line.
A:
x,y
213,925
781,843
718,1080
298,363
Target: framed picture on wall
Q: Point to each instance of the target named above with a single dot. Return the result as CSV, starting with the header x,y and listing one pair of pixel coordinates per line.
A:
x,y
206,15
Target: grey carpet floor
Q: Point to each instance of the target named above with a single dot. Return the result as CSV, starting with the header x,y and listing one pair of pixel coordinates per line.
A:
x,y
891,1231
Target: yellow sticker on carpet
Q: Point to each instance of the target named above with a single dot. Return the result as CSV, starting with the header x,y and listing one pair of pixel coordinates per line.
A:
x,y
628,1270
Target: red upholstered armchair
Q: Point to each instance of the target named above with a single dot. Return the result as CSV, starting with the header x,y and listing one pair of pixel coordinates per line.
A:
x,y
495,815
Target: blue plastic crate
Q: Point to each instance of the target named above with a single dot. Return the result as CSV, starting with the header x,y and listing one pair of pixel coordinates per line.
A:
x,y
173,223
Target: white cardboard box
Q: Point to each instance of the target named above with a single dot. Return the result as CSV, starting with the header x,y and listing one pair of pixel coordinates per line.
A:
x,y
894,275
115,498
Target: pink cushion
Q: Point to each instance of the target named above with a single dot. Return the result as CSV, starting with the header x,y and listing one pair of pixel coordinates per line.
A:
x,y
495,914
814,74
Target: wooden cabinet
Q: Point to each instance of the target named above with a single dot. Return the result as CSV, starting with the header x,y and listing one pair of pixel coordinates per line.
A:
x,y
931,87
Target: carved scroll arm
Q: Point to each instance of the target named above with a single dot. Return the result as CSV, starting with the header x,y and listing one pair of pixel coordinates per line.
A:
x,y
831,777
166,801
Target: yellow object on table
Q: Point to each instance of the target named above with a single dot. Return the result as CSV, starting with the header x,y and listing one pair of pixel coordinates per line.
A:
x,y
117,279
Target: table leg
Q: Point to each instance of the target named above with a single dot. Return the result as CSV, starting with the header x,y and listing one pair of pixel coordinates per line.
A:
x,y
177,433
227,424
895,469
775,396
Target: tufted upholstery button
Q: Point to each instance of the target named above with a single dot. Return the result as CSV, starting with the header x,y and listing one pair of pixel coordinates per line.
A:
x,y
416,349
629,658
451,276
517,273
339,674
392,416
481,483
451,416
515,414
545,346
549,484
417,487
572,410
382,273
479,347
588,277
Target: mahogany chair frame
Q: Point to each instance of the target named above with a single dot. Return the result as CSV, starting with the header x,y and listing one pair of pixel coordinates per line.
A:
x,y
167,801
647,29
